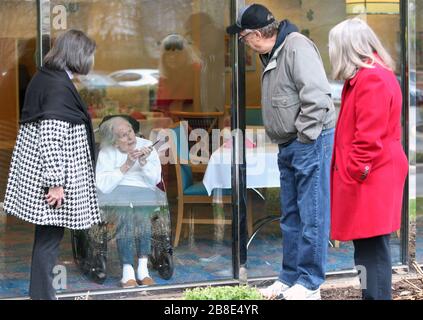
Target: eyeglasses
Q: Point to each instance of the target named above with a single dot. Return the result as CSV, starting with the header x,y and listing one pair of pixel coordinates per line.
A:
x,y
242,38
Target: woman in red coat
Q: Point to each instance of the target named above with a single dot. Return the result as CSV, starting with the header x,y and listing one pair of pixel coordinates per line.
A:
x,y
369,166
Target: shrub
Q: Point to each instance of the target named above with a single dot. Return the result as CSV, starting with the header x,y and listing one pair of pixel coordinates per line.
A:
x,y
223,293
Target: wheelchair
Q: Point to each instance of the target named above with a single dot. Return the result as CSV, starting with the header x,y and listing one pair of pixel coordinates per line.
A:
x,y
89,247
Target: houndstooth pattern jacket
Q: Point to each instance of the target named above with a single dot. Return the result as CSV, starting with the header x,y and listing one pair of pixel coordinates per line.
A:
x,y
52,153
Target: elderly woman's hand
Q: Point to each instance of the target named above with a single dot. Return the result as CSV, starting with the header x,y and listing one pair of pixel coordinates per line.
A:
x,y
133,156
145,152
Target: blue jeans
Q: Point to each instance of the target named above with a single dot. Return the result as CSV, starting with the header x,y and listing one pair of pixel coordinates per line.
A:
x,y
133,232
305,204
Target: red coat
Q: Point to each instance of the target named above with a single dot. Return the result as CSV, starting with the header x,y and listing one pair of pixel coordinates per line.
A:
x,y
369,165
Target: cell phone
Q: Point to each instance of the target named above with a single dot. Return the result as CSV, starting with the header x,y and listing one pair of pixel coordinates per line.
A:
x,y
151,147
155,143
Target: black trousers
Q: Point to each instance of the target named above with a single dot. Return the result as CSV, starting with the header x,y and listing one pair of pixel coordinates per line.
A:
x,y
374,254
44,256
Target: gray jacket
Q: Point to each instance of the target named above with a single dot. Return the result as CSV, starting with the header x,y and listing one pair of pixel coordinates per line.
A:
x,y
296,99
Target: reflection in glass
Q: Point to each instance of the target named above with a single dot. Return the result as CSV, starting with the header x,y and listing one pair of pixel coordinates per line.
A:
x,y
178,69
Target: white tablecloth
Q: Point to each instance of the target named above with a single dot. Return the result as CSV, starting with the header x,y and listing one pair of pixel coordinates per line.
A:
x,y
262,168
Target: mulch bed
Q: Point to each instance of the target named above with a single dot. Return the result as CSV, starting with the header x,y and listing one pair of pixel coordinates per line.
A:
x,y
407,288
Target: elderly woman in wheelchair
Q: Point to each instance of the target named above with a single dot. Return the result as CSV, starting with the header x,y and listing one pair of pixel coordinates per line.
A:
x,y
127,173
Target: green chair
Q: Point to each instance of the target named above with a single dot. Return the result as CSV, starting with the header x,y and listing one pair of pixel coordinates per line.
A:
x,y
190,192
253,116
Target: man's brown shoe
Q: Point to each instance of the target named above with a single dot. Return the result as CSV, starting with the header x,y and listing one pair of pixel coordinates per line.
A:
x,y
147,281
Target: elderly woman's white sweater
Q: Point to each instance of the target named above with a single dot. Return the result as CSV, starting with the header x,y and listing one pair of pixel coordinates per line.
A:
x,y
109,175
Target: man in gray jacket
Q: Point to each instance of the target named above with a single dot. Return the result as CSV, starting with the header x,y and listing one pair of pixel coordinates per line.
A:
x,y
299,116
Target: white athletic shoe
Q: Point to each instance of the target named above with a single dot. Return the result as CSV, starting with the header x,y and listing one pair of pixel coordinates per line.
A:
x,y
299,292
275,290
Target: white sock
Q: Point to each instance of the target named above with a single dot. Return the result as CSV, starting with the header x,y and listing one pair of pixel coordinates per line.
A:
x,y
142,270
128,272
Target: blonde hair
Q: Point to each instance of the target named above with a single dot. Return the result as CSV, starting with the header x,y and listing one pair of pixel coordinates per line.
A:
x,y
177,42
352,44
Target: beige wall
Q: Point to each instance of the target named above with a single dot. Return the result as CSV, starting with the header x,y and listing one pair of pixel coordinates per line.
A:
x,y
18,19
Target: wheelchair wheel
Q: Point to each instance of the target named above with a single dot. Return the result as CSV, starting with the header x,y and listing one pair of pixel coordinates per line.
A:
x,y
91,261
165,265
152,263
98,273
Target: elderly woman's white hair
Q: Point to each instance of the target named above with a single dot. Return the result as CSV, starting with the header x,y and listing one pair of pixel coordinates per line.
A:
x,y
107,130
352,45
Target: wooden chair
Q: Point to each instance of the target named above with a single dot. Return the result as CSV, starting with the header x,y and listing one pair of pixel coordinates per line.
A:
x,y
190,192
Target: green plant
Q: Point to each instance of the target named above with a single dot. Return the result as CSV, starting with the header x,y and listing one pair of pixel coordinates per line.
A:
x,y
223,293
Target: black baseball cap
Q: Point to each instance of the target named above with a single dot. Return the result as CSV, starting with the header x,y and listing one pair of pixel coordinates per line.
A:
x,y
254,16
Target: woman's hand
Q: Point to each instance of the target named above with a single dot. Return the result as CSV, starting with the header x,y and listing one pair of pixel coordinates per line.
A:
x,y
133,156
55,196
145,152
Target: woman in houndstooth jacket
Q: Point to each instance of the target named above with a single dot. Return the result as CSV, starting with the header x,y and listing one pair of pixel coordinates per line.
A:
x,y
51,178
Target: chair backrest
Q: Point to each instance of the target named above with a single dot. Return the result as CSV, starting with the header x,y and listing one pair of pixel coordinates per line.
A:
x,y
253,115
134,123
181,157
204,120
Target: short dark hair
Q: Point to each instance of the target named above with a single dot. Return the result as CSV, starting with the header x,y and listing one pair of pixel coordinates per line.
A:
x,y
72,50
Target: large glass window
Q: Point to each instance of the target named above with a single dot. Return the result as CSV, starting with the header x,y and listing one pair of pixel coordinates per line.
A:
x,y
165,67
160,65
416,90
314,19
